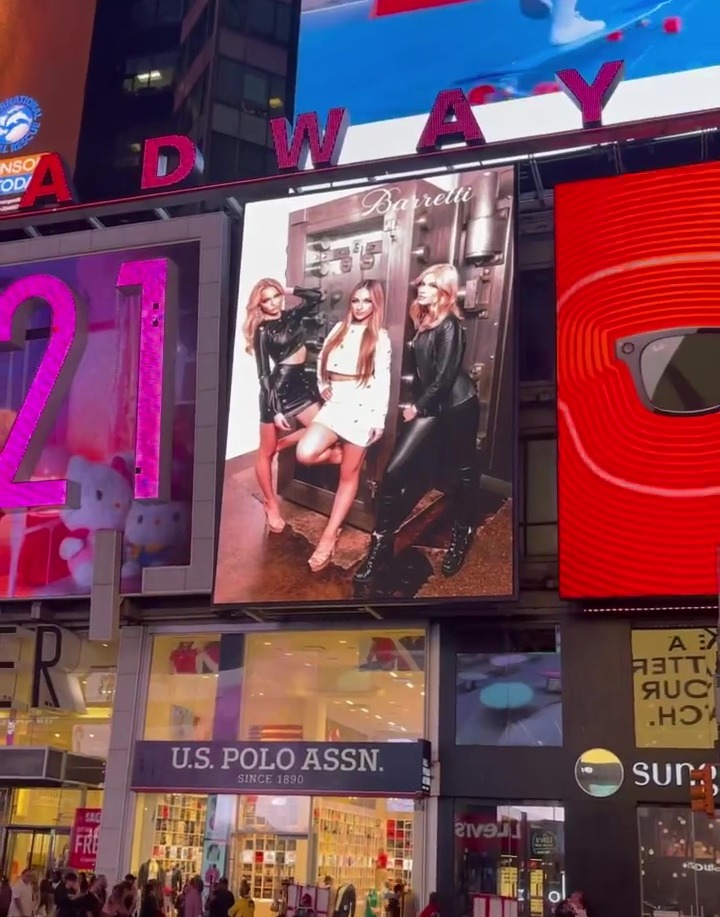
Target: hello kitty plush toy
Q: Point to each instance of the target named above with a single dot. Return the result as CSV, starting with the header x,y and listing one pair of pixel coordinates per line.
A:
x,y
156,535
105,497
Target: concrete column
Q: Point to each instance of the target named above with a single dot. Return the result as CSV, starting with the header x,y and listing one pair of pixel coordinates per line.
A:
x,y
118,813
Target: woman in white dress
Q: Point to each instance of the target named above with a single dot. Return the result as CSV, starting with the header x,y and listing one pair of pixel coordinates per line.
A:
x,y
354,381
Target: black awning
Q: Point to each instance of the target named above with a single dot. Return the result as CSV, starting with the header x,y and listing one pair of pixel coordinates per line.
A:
x,y
44,766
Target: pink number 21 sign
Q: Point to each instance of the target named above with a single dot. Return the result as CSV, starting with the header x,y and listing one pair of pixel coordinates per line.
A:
x,y
151,280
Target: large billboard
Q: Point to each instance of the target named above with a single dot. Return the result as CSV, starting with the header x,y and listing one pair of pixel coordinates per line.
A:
x,y
40,112
638,350
100,386
504,56
370,436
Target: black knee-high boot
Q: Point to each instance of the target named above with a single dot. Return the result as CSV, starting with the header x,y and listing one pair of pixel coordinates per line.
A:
x,y
464,525
382,542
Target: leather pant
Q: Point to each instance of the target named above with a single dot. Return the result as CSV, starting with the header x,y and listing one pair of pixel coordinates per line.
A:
x,y
429,448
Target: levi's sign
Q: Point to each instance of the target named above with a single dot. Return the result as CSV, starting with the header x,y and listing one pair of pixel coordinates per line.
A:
x,y
301,768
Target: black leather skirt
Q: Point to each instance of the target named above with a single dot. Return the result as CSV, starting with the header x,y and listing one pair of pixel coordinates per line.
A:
x,y
294,389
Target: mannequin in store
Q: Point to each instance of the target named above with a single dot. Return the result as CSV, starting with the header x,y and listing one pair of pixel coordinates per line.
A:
x,y
345,901
151,870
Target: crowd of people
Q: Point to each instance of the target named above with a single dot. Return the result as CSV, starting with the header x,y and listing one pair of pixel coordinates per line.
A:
x,y
77,894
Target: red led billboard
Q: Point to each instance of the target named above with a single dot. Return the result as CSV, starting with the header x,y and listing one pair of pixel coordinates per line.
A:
x,y
638,335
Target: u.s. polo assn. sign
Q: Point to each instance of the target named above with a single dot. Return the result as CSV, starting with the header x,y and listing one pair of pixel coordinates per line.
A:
x,y
359,768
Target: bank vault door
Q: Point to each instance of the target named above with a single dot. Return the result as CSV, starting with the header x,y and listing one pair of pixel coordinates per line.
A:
x,y
336,245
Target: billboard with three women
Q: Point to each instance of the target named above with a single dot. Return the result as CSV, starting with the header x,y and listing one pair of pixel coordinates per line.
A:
x,y
370,439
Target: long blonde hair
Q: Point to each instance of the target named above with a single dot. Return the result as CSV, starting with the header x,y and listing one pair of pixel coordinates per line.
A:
x,y
446,278
253,316
366,357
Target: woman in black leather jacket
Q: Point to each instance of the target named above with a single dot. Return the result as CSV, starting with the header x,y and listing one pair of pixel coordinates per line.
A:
x,y
440,427
277,338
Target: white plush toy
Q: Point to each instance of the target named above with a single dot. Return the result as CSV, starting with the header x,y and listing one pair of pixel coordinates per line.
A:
x,y
155,535
105,498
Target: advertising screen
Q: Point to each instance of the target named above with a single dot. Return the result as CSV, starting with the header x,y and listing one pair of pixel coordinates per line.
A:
x,y
504,56
84,400
638,350
370,436
40,113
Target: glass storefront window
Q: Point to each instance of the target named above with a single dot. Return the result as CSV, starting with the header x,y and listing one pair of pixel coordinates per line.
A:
x,y
274,839
72,712
82,686
338,686
517,851
680,860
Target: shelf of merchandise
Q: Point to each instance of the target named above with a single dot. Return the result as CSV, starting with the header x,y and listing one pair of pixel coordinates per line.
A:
x,y
348,844
265,860
179,831
399,848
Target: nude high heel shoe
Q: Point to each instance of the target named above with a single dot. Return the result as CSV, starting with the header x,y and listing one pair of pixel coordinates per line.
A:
x,y
275,521
321,558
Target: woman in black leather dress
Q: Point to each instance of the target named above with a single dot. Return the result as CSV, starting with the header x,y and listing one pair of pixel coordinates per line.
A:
x,y
441,426
277,338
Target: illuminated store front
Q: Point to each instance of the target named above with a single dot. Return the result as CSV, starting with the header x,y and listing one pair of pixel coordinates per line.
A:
x,y
56,701
313,742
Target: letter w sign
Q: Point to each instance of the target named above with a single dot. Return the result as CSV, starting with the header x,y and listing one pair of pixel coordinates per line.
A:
x,y
388,7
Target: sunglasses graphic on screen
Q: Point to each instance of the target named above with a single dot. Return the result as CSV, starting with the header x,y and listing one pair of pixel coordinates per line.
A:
x,y
676,371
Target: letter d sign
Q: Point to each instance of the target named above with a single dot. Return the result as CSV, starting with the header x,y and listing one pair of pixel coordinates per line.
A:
x,y
156,172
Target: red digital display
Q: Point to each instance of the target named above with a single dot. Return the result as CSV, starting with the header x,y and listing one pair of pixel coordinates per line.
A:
x,y
638,374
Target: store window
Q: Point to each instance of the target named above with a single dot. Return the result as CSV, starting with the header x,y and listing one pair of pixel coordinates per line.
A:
x,y
680,861
673,691
314,686
517,851
511,694
273,840
538,502
66,705
74,710
350,686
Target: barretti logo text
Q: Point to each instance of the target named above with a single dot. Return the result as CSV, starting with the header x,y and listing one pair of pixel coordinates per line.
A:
x,y
321,758
19,123
390,200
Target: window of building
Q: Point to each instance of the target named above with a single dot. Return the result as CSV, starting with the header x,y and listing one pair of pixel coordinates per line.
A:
x,y
198,36
510,691
536,308
234,14
269,19
194,105
538,503
74,718
261,17
223,157
680,860
229,85
252,160
254,129
148,14
152,72
340,685
516,850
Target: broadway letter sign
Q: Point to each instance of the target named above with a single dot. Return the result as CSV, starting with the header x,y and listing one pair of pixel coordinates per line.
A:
x,y
301,768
